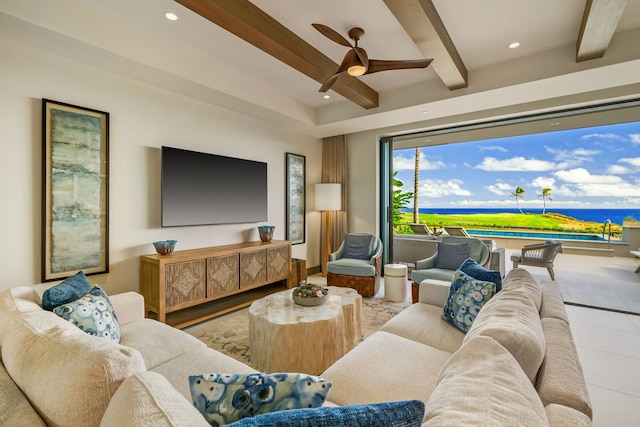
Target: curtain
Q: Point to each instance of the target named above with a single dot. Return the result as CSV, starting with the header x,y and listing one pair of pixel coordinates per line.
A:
x,y
334,171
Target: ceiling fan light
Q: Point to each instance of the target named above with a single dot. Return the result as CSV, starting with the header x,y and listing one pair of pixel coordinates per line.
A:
x,y
356,70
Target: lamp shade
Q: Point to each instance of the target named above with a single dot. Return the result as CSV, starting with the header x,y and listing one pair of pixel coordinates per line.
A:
x,y
328,197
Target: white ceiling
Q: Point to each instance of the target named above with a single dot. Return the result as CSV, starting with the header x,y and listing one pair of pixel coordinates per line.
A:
x,y
195,57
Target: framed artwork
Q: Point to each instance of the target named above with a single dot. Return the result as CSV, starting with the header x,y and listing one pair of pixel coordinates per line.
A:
x,y
75,218
296,199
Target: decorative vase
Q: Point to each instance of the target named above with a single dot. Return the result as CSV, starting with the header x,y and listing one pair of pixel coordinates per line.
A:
x,y
266,232
165,247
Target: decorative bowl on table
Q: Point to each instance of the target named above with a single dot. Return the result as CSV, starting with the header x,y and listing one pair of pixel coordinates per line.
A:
x,y
309,294
165,247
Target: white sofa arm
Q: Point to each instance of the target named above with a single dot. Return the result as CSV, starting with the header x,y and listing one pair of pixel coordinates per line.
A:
x,y
128,306
434,292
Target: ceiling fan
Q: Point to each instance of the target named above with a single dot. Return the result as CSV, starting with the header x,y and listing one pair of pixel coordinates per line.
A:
x,y
356,62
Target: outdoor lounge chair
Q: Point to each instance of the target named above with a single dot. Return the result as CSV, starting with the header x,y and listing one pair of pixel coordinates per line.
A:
x,y
421,229
539,255
455,230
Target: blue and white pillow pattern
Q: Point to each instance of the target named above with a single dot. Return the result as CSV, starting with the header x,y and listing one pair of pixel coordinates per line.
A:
x,y
226,398
93,314
466,297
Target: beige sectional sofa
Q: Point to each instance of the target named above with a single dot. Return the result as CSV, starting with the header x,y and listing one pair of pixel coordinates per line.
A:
x,y
517,365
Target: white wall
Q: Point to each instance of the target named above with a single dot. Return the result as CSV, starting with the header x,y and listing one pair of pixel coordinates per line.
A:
x,y
142,119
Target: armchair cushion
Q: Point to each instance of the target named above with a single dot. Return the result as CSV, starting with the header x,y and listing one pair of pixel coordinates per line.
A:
x,y
475,270
351,267
451,255
358,246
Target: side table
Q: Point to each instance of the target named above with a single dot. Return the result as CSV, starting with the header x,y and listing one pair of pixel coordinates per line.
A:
x,y
287,337
395,282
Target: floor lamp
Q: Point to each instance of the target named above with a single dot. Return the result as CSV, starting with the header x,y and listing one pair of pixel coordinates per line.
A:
x,y
328,198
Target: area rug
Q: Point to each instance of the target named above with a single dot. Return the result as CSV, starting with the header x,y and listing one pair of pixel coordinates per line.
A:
x,y
229,334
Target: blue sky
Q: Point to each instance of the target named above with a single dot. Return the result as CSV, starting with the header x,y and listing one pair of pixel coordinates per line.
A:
x,y
597,167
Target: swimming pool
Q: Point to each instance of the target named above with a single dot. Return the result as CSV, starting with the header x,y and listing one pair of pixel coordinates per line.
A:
x,y
536,235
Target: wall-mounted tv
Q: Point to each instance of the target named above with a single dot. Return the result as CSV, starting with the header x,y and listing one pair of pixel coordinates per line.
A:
x,y
201,189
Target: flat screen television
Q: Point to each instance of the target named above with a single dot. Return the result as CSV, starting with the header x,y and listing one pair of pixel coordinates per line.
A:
x,y
201,189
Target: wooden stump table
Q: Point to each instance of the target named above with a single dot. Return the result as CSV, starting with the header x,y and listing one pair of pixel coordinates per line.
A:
x,y
287,337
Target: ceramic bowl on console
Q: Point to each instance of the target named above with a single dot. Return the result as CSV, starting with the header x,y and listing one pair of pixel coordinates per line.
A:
x,y
266,232
165,247
309,294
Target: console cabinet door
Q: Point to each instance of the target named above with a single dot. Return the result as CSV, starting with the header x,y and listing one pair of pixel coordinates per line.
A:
x,y
223,274
253,268
278,263
185,282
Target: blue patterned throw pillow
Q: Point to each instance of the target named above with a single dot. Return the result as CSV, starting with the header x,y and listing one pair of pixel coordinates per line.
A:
x,y
226,398
466,297
93,314
475,270
406,413
65,292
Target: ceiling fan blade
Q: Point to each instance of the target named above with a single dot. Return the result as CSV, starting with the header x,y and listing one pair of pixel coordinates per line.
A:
x,y
329,82
362,55
376,65
332,34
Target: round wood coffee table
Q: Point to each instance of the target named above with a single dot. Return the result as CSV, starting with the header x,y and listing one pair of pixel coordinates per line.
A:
x,y
287,337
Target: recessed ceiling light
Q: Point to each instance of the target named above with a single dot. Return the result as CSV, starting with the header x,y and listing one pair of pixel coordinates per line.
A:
x,y
171,16
327,96
554,124
425,112
514,45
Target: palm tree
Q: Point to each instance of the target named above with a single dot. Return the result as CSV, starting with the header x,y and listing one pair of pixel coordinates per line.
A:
x,y
519,193
416,182
545,194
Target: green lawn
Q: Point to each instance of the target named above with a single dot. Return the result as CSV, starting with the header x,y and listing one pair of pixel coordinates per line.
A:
x,y
549,222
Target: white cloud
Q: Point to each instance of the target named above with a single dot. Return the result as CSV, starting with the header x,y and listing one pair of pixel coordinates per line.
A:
x,y
500,188
543,182
609,136
571,158
408,163
633,161
618,170
494,148
635,138
515,164
439,188
580,181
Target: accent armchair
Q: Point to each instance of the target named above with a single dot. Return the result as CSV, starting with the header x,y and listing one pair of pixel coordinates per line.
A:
x,y
357,264
539,255
451,253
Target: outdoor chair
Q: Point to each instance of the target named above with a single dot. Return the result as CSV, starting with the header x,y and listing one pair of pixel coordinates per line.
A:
x,y
451,253
357,264
539,255
421,229
456,230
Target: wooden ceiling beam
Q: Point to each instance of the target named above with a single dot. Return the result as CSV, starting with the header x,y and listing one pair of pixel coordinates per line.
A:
x,y
422,22
599,22
245,20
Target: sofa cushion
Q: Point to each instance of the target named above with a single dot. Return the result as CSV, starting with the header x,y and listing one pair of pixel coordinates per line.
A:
x,y
407,413
93,314
385,368
226,398
21,299
466,297
68,376
423,323
357,246
560,415
147,399
70,289
203,359
475,270
561,379
158,342
552,302
15,409
418,276
451,255
511,318
521,280
482,385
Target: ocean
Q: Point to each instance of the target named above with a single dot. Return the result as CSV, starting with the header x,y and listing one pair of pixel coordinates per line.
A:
x,y
594,215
